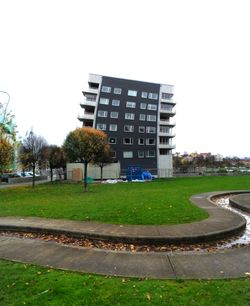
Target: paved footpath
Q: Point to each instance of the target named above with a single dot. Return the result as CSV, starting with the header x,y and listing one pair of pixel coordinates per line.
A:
x,y
229,263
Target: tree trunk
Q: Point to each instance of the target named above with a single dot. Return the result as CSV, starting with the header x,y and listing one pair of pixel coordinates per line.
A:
x,y
33,177
101,173
85,176
51,174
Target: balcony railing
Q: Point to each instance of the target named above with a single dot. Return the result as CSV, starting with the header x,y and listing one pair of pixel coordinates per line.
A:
x,y
170,112
86,116
166,146
166,122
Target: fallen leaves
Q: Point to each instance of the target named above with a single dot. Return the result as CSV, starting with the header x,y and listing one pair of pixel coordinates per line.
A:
x,y
119,246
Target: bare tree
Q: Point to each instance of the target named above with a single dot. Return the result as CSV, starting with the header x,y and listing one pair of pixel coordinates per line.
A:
x,y
31,152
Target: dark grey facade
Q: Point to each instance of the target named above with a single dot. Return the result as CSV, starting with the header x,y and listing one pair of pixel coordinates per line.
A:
x,y
136,117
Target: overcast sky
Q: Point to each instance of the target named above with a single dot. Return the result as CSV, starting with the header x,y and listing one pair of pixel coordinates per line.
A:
x,y
48,48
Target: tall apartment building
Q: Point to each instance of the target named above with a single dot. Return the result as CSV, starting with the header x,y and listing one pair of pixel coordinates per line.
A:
x,y
137,119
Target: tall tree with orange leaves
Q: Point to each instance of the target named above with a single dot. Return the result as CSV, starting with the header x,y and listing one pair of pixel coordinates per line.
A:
x,y
83,145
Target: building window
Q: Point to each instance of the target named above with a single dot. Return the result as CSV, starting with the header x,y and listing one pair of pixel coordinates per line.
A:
x,y
141,129
129,116
150,153
113,127
104,101
151,118
142,117
117,91
112,140
128,154
151,129
115,102
114,115
130,104
166,96
140,141
106,89
128,128
152,95
150,141
128,140
143,105
140,154
132,93
152,107
164,129
101,126
102,113
144,94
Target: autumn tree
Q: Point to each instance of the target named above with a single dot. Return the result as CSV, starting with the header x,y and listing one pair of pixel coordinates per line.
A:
x,y
31,152
104,158
7,139
55,157
83,145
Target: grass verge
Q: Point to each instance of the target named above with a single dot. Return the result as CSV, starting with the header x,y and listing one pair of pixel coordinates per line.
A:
x,y
157,202
22,284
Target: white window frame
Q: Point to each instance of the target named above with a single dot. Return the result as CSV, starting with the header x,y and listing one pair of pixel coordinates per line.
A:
x,y
144,94
110,142
143,105
113,127
127,154
141,128
102,113
104,101
142,117
106,89
140,154
117,91
130,104
152,107
130,128
151,118
148,128
130,142
132,93
148,142
115,102
101,126
150,155
143,141
153,95
114,115
130,116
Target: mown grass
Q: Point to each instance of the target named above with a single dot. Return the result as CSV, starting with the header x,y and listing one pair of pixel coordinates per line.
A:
x,y
166,200
22,284
157,202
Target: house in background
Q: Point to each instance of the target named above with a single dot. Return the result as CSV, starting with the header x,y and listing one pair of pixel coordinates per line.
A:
x,y
137,117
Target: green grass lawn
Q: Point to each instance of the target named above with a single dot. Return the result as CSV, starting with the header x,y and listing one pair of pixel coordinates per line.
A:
x,y
157,202
163,201
22,284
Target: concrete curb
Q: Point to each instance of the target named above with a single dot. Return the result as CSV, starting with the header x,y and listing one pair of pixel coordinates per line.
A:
x,y
229,263
220,224
241,201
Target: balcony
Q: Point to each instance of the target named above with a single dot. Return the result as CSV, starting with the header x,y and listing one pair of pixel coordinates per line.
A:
x,y
166,146
90,90
88,102
166,134
171,101
86,116
169,112
167,122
